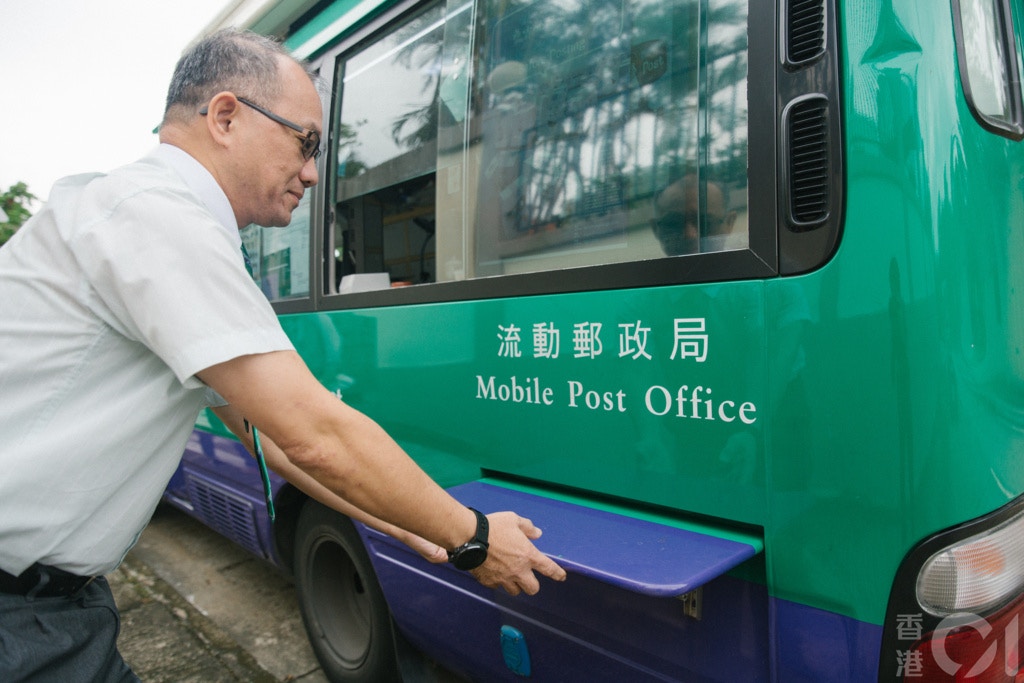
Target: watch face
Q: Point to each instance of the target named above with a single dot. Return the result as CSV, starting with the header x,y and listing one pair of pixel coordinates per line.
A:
x,y
470,556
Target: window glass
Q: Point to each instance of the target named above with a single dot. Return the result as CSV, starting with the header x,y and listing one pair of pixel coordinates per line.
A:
x,y
387,151
279,257
512,136
609,131
388,117
984,52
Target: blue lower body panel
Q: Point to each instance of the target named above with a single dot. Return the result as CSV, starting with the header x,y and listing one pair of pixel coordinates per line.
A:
x,y
622,614
816,645
580,630
589,630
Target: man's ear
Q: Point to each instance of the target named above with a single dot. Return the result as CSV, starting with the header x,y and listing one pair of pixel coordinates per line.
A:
x,y
220,117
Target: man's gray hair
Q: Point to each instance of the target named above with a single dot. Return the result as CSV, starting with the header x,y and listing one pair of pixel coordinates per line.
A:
x,y
231,59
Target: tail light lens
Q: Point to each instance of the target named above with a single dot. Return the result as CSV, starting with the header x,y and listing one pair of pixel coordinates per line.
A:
x,y
968,593
976,651
976,574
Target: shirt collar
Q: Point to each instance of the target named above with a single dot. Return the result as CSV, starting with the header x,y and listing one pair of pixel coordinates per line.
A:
x,y
203,185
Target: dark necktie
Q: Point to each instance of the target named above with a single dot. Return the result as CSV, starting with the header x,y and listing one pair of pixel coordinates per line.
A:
x,y
248,261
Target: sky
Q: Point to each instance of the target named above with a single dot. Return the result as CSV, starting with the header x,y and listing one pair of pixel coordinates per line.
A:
x,y
83,82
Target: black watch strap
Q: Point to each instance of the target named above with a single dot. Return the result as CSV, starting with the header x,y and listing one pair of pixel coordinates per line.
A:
x,y
473,552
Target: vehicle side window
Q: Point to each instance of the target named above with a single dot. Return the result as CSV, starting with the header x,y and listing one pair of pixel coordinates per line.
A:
x,y
510,137
606,131
386,153
989,64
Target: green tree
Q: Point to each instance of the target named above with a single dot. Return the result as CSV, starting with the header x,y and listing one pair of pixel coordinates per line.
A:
x,y
14,205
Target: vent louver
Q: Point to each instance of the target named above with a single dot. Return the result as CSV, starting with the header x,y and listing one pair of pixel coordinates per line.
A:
x,y
808,158
805,31
228,514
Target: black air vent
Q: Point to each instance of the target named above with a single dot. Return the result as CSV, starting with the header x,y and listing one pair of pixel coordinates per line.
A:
x,y
808,158
229,514
805,31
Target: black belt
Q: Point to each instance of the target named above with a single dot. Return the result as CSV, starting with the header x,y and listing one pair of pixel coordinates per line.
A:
x,y
43,581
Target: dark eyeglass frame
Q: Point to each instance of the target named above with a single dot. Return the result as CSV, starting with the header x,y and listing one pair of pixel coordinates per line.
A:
x,y
310,138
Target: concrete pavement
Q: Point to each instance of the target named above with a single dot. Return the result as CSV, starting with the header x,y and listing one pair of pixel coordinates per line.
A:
x,y
166,640
195,607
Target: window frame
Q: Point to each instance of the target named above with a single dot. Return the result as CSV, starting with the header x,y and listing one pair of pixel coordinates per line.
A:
x,y
759,260
1014,127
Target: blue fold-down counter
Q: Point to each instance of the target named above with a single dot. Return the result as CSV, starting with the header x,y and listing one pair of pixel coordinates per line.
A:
x,y
656,555
650,597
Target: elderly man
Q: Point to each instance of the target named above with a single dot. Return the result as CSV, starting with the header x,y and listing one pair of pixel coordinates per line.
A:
x,y
125,308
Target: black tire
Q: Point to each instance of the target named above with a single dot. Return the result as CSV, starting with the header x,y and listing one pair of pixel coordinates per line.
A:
x,y
343,608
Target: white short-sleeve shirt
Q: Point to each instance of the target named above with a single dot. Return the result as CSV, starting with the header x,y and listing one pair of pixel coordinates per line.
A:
x,y
112,298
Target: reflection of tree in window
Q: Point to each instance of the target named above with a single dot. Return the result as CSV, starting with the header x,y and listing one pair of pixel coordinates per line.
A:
x,y
418,126
350,164
387,152
388,114
611,102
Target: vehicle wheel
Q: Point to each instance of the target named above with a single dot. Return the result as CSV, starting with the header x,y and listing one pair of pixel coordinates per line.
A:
x,y
342,605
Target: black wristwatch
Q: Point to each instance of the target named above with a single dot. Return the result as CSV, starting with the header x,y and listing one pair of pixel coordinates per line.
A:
x,y
472,553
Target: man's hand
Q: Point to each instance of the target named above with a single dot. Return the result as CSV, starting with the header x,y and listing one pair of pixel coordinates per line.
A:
x,y
511,557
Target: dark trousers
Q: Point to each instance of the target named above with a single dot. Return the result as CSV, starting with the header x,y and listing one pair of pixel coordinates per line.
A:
x,y
62,639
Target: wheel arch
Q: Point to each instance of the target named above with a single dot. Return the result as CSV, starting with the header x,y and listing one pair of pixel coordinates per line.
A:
x,y
288,503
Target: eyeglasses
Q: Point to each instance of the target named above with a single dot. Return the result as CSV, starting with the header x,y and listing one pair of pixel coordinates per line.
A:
x,y
310,138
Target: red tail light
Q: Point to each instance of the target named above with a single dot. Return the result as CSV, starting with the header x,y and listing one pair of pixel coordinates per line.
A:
x,y
971,649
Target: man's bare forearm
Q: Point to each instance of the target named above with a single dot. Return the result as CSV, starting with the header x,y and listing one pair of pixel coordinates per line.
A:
x,y
353,458
278,461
